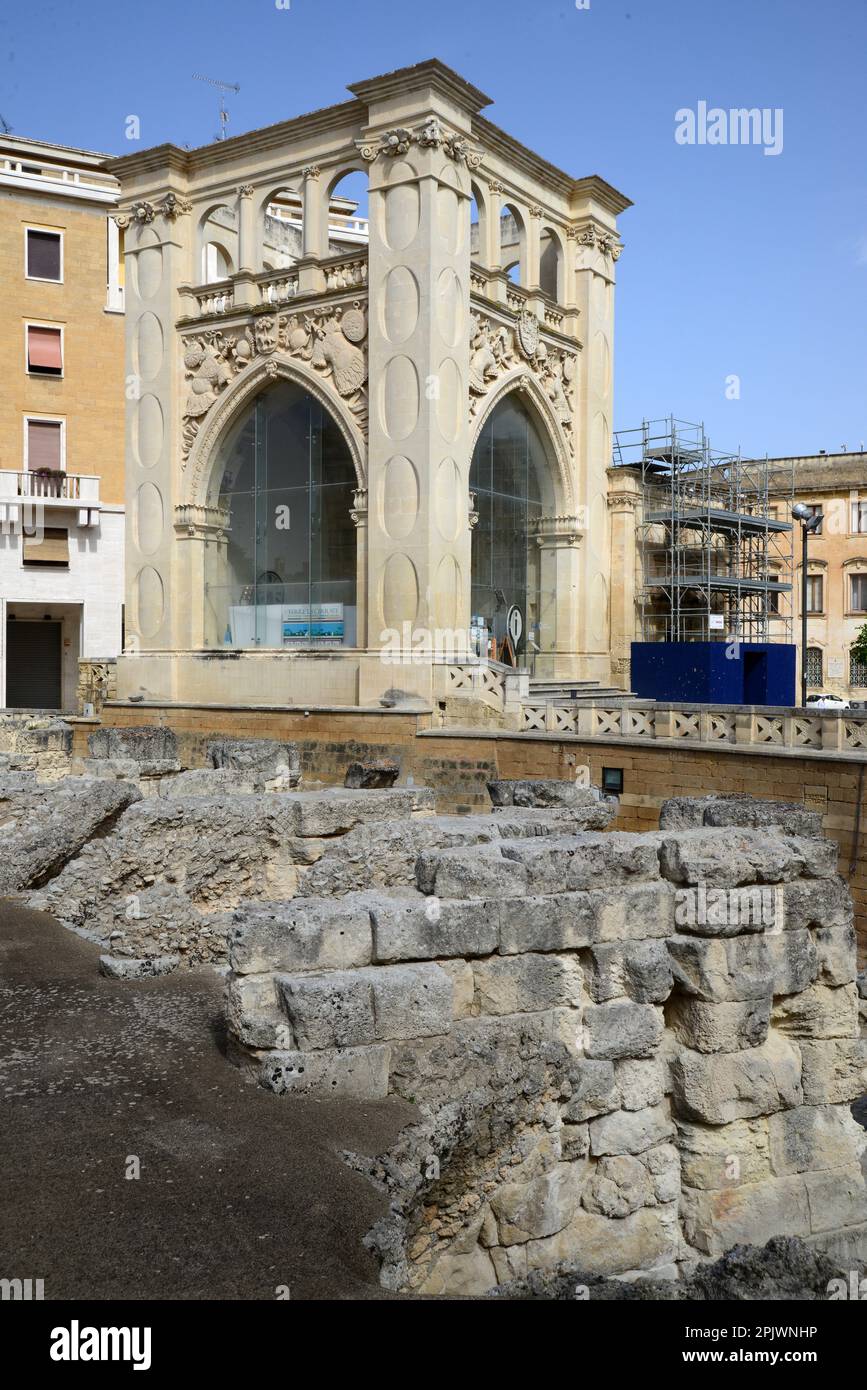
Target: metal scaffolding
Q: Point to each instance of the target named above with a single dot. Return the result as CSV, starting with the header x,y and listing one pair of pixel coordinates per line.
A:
x,y
714,539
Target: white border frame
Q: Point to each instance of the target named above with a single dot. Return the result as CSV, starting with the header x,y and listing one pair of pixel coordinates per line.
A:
x,y
55,231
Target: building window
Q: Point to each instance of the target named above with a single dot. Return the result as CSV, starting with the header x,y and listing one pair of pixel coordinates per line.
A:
x,y
43,254
814,666
48,547
44,350
857,671
858,517
816,593
858,593
44,446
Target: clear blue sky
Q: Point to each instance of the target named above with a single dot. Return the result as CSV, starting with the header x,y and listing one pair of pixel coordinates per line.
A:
x,y
737,263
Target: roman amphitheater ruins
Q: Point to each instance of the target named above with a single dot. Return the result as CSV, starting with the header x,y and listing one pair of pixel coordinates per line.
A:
x,y
628,1052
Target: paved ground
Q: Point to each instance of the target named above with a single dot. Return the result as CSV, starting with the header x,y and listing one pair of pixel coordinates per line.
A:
x,y
240,1191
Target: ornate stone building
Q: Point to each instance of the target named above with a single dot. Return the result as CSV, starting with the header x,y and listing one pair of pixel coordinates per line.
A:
x,y
353,440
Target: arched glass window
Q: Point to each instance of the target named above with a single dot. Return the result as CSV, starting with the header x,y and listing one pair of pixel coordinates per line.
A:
x,y
510,478
284,574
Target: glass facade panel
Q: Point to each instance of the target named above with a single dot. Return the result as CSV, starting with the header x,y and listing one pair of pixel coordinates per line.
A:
x,y
510,478
285,575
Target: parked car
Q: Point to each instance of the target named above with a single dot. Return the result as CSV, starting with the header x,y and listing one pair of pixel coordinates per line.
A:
x,y
825,701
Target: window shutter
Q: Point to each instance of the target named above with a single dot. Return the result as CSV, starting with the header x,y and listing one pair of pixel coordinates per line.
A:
x,y
43,255
51,549
43,349
43,444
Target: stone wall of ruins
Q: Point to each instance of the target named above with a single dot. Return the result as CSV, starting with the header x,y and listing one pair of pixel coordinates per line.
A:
x,y
628,1050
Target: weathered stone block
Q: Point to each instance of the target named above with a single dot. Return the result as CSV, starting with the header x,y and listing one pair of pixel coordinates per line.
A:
x,y
819,1012
815,1137
584,861
349,1008
423,929
722,970
727,1027
640,1083
793,960
645,1239
685,813
633,912
529,1211
254,1012
725,1155
622,1029
373,774
463,986
546,923
835,954
475,872
336,810
663,1167
137,968
730,1086
819,856
618,1186
522,984
729,858
833,1071
641,969
359,1073
746,1213
301,934
593,1090
726,912
140,744
630,1131
541,792
837,1198
817,902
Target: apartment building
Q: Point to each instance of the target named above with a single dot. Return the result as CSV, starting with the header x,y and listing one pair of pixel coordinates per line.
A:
x,y
836,486
61,421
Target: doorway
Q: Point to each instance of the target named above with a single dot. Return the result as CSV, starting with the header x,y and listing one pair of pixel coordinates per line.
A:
x,y
33,664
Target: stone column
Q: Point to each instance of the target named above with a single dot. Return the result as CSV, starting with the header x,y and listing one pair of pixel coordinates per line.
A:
x,y
314,233
158,253
624,500
359,517
559,539
245,291
596,251
418,459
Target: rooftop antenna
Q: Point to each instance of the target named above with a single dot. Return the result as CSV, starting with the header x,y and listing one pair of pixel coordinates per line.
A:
x,y
223,87
5,127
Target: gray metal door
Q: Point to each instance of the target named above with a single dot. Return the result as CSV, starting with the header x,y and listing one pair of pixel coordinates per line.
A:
x,y
33,655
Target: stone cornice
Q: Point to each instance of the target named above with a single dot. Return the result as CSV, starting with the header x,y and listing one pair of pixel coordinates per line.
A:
x,y
346,117
433,74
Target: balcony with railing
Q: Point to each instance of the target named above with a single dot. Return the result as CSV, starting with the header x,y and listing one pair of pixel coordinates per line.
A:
x,y
50,487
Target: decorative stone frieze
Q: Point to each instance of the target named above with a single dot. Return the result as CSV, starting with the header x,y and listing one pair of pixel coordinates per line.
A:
x,y
330,339
497,348
432,135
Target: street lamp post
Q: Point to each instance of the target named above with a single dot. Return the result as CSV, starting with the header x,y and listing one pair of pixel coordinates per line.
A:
x,y
810,521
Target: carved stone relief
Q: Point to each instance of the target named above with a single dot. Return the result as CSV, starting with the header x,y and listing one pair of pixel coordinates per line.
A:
x,y
329,339
431,135
497,348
